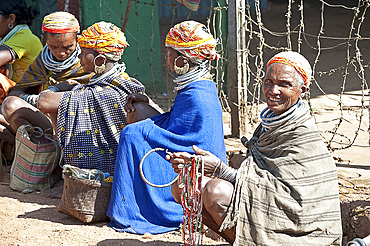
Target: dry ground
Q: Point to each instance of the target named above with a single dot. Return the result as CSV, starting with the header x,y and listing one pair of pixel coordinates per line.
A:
x,y
31,219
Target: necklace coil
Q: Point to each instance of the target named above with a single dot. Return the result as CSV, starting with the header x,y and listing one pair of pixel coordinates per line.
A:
x,y
191,201
191,174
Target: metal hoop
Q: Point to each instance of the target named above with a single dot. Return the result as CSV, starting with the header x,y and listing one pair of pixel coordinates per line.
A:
x,y
142,173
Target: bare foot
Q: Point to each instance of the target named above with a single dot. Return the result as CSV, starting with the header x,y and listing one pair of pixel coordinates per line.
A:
x,y
56,192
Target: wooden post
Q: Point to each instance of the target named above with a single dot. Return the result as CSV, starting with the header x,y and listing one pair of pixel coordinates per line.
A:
x,y
237,67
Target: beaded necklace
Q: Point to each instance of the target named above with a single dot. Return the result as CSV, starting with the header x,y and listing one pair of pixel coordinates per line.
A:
x,y
191,176
58,66
191,201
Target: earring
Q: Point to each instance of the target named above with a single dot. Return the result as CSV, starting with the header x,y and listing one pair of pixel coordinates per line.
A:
x,y
10,25
181,70
99,69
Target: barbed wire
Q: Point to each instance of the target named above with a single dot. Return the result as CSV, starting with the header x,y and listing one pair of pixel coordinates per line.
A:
x,y
297,35
257,30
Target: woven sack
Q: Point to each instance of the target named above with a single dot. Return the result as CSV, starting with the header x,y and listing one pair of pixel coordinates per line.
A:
x,y
36,161
85,199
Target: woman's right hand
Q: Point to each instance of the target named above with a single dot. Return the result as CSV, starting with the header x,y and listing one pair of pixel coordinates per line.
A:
x,y
67,85
132,98
210,161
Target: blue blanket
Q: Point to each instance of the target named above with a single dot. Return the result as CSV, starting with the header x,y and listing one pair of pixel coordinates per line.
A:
x,y
194,119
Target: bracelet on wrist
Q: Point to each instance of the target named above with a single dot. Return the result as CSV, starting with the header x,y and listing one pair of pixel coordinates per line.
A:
x,y
228,173
214,170
53,88
357,242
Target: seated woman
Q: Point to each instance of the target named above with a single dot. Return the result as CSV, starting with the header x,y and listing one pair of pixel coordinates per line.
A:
x,y
18,49
194,118
90,117
56,63
286,190
18,46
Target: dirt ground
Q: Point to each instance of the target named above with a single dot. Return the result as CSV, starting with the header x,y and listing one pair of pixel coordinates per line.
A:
x,y
31,219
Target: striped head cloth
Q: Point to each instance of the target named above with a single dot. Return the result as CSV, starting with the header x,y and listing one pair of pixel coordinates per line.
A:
x,y
60,22
105,38
296,60
193,40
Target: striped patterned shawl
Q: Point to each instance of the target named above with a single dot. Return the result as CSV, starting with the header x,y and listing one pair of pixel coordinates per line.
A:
x,y
37,74
286,190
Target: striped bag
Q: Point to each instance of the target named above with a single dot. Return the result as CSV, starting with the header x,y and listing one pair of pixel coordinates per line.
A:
x,y
36,161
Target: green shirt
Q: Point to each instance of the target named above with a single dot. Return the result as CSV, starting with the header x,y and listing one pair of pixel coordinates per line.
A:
x,y
27,46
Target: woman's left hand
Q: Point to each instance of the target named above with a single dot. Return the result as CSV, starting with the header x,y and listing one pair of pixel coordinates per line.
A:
x,y
134,97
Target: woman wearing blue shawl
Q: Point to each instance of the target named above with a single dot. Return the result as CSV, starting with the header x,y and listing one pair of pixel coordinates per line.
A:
x,y
194,119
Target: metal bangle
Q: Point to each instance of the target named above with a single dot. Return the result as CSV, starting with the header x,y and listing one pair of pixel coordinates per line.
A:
x,y
228,173
214,170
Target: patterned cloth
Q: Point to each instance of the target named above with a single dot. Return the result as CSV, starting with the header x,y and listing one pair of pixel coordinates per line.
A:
x,y
60,22
105,38
38,75
6,84
287,189
91,117
297,61
193,40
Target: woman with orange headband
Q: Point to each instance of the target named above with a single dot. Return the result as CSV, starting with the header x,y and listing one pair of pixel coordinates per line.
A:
x,y
98,107
55,64
286,190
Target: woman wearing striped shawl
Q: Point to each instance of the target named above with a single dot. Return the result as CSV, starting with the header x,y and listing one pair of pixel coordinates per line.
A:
x,y
286,190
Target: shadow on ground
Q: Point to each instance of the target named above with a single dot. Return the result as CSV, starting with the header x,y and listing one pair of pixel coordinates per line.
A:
x,y
51,214
136,242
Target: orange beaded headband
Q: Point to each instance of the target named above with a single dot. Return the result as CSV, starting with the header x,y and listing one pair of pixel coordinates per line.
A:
x,y
290,63
61,30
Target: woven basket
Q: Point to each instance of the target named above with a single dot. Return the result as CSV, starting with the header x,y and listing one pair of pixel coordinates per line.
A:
x,y
86,200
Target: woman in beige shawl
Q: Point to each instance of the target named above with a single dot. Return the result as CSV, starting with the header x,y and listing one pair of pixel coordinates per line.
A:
x,y
286,190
